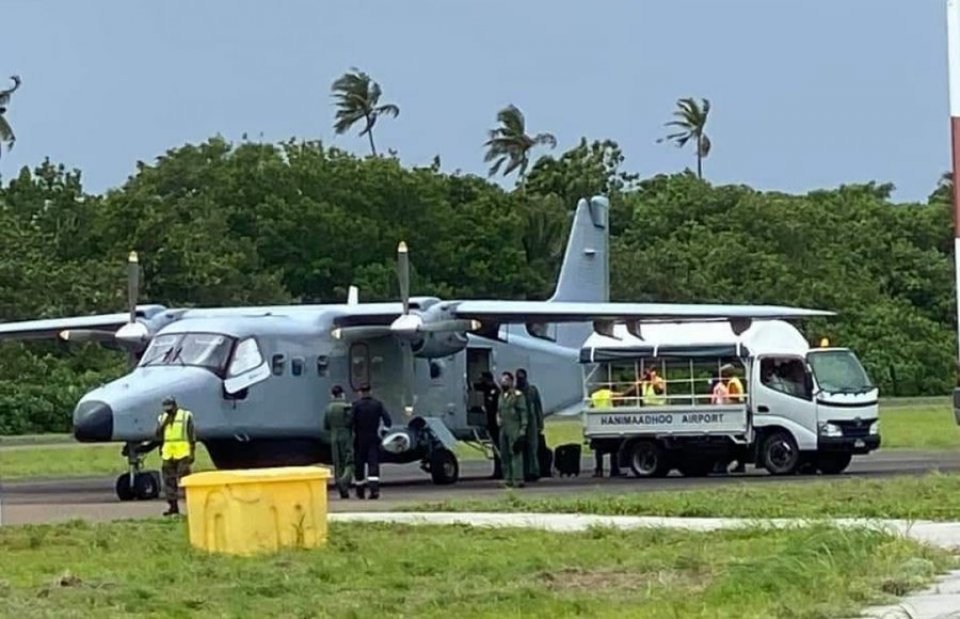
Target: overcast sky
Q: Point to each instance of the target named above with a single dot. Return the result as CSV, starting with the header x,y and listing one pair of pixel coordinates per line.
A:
x,y
806,93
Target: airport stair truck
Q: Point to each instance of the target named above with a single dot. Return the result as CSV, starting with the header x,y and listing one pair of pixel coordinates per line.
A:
x,y
802,408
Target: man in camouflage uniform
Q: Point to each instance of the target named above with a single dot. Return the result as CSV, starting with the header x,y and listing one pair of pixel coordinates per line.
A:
x,y
531,459
513,421
338,421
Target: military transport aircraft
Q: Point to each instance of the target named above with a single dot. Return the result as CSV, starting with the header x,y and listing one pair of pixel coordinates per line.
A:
x,y
258,378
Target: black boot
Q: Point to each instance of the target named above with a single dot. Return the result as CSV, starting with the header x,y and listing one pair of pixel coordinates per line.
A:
x,y
344,491
361,492
374,490
173,510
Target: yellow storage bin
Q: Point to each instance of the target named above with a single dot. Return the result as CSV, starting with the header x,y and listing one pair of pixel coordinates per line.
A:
x,y
258,510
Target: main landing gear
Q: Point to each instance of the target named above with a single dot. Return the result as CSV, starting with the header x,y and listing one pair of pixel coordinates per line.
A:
x,y
138,484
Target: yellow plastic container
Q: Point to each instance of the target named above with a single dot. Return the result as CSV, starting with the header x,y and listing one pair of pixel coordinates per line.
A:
x,y
258,510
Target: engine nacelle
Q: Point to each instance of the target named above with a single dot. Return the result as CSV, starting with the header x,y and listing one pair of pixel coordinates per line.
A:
x,y
434,345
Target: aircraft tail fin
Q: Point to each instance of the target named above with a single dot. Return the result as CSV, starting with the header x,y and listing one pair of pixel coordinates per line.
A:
x,y
585,272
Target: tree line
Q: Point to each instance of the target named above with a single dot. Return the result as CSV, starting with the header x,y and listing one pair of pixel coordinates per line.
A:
x,y
220,223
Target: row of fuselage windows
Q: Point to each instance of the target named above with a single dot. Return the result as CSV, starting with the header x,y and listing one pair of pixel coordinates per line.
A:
x,y
278,365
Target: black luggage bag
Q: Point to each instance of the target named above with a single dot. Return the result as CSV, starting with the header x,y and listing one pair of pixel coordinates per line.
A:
x,y
567,458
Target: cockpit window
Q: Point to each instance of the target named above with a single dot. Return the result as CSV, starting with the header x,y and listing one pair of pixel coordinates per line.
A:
x,y
246,357
206,350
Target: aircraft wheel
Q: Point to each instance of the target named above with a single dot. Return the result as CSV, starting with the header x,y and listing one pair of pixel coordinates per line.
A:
x,y
147,485
125,490
444,468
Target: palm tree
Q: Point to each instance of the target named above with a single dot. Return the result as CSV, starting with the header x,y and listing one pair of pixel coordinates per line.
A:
x,y
358,97
693,119
510,142
6,132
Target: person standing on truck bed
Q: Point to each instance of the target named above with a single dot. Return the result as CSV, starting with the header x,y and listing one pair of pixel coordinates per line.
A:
x,y
653,388
734,386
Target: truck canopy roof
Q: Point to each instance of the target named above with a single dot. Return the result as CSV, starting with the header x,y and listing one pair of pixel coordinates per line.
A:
x,y
695,339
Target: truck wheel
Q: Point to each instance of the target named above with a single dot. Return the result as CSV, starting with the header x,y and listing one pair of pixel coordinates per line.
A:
x,y
647,459
833,464
444,468
780,455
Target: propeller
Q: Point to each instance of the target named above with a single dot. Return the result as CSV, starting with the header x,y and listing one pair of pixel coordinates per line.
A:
x,y
404,326
133,335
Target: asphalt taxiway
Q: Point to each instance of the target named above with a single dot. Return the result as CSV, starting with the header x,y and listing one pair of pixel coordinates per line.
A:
x,y
51,500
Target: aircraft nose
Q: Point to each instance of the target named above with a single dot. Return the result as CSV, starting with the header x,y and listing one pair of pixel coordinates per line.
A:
x,y
93,421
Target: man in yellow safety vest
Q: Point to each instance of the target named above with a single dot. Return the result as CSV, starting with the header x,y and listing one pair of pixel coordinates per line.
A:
x,y
653,389
176,430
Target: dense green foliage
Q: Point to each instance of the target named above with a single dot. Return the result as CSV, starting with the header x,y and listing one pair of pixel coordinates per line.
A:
x,y
217,223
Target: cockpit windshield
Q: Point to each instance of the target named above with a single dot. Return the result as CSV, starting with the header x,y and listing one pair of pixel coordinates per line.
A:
x,y
206,350
839,371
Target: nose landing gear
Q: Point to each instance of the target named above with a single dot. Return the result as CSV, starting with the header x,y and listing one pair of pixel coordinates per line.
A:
x,y
136,483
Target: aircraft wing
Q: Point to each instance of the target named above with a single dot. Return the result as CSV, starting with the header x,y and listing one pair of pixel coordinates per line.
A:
x,y
543,311
50,328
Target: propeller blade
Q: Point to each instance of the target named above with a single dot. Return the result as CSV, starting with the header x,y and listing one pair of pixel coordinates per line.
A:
x,y
442,326
86,335
353,333
133,284
409,377
403,275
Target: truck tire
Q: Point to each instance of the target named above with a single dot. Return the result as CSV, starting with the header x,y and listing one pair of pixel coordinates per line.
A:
x,y
779,454
647,459
833,463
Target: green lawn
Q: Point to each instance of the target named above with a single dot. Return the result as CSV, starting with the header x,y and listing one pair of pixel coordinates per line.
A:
x,y
933,496
83,570
907,424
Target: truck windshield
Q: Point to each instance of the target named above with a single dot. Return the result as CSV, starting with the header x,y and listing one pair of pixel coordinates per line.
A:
x,y
839,371
206,350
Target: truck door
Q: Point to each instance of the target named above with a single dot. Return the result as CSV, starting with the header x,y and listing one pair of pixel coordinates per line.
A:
x,y
783,396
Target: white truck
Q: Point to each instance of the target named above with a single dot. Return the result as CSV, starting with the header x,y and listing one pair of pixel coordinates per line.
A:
x,y
802,409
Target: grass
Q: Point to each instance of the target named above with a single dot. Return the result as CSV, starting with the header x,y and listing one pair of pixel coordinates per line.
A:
x,y
81,570
933,496
922,423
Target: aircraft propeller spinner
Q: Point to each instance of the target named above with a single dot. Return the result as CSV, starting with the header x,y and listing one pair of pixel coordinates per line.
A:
x,y
134,336
409,326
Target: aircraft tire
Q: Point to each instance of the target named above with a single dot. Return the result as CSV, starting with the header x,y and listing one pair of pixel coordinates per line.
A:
x,y
125,490
444,468
147,485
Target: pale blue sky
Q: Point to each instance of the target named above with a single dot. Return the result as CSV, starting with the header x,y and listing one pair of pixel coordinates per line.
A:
x,y
806,93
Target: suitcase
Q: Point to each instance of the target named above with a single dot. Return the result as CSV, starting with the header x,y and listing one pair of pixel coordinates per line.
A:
x,y
545,458
567,459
